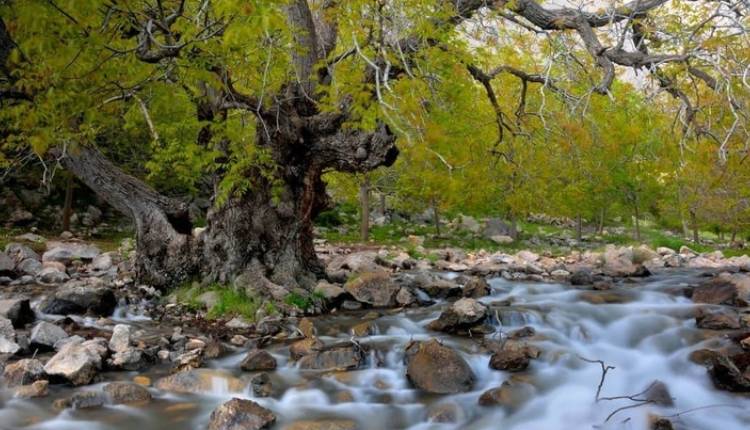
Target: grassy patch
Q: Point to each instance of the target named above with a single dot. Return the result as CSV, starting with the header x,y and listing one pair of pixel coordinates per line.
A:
x,y
303,302
229,303
234,303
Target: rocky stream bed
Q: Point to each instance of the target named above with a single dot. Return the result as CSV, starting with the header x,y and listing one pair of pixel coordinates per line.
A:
x,y
625,339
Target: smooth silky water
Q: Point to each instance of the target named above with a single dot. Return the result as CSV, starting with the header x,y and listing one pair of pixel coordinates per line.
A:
x,y
646,336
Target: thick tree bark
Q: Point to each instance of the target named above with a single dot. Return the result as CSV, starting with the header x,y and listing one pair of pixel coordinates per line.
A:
x,y
264,234
163,241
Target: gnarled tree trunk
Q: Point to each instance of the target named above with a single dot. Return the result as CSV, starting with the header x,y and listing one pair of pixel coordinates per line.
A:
x,y
265,233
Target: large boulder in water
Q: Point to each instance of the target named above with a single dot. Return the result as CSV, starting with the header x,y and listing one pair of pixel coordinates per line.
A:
x,y
76,363
463,316
126,393
717,319
258,360
79,298
725,289
238,414
476,287
374,288
726,375
346,356
198,381
436,368
618,262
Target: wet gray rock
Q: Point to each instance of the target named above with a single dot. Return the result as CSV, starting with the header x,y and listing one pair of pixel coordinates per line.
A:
x,y
120,340
8,346
330,292
717,319
511,394
78,298
45,335
238,414
33,390
198,381
476,287
509,360
66,252
582,277
374,288
357,262
405,297
304,347
261,385
258,360
445,413
127,359
30,267
51,275
23,372
87,400
658,394
126,392
323,424
726,375
716,291
345,356
437,287
103,262
462,317
18,311
19,252
6,329
77,364
436,368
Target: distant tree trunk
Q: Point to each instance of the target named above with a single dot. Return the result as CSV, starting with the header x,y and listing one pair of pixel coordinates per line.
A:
x,y
435,215
694,221
364,204
734,235
685,227
383,208
602,215
579,227
68,205
637,220
513,226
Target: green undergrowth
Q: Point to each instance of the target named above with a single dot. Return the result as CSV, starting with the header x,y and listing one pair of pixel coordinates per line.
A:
x,y
397,234
226,302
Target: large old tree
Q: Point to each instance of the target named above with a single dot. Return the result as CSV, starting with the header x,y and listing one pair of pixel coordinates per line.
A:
x,y
281,92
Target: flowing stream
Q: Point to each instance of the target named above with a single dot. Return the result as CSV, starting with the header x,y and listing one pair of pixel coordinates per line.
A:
x,y
646,331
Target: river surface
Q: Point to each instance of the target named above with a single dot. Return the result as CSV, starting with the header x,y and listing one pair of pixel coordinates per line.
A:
x,y
646,335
